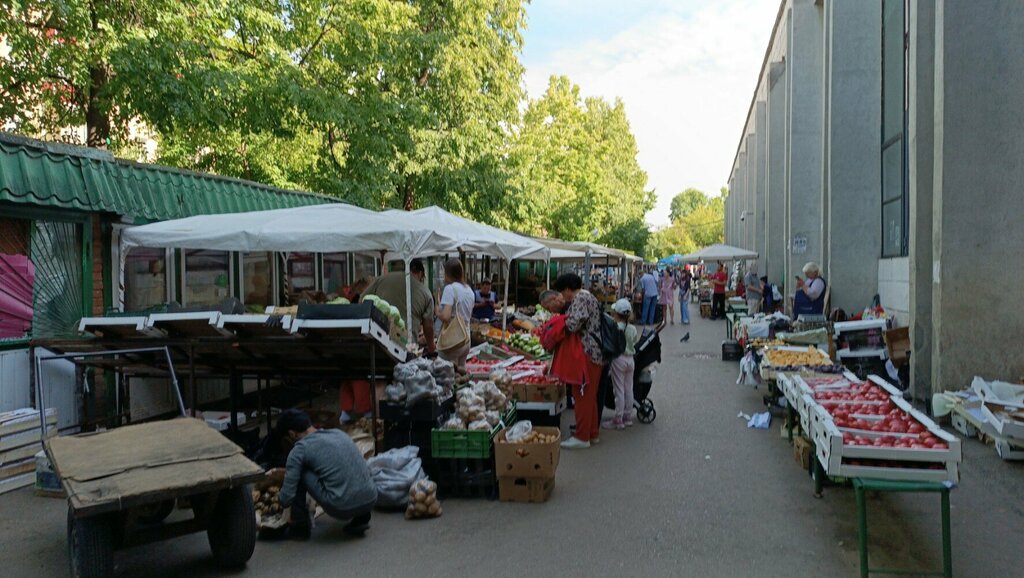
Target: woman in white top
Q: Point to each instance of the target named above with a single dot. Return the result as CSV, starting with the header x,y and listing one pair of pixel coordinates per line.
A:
x,y
456,299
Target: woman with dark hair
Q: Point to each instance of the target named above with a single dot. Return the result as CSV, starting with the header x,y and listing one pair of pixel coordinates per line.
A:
x,y
456,307
583,318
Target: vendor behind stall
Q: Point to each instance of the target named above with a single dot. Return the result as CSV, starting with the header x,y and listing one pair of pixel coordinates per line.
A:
x,y
485,299
328,466
810,294
391,288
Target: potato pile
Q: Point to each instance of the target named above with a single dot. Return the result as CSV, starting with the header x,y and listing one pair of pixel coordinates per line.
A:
x,y
423,502
266,501
534,437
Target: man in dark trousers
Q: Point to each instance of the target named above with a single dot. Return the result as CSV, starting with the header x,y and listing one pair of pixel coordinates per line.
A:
x,y
328,466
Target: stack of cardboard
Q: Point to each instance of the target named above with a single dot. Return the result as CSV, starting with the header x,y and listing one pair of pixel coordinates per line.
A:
x,y
526,472
20,440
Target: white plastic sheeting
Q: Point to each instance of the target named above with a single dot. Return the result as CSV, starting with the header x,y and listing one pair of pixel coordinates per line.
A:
x,y
719,252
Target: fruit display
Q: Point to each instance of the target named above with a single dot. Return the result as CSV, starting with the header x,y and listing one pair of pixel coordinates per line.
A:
x,y
423,502
761,342
481,366
529,366
809,357
868,429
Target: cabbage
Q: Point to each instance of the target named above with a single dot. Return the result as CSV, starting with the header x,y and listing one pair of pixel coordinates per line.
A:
x,y
393,312
371,298
339,301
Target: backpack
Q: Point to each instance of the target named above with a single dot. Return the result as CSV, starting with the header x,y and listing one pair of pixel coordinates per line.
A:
x,y
612,339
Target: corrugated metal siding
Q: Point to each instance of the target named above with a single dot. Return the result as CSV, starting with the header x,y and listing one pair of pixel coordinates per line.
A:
x,y
45,174
15,389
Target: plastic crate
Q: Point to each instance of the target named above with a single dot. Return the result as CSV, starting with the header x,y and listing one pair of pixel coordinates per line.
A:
x,y
456,443
465,477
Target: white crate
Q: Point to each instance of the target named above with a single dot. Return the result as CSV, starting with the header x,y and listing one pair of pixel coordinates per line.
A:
x,y
1006,427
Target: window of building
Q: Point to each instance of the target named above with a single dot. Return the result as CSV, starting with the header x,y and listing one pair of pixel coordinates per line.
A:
x,y
335,273
300,270
207,276
895,205
363,266
145,278
257,280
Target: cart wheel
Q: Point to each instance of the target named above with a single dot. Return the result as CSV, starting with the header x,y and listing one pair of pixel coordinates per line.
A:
x,y
156,513
646,413
91,546
232,530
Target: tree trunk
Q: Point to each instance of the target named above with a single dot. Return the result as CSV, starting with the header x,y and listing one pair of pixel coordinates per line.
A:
x,y
97,123
408,194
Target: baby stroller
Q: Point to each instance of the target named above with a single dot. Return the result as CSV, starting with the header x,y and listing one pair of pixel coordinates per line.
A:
x,y
648,352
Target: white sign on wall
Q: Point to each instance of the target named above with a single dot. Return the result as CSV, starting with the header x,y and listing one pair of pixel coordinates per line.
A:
x,y
799,245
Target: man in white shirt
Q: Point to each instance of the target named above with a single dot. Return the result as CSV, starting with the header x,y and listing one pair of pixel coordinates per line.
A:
x,y
755,290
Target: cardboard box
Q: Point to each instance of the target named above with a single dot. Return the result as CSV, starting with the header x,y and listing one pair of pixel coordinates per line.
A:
x,y
802,452
545,392
527,460
525,490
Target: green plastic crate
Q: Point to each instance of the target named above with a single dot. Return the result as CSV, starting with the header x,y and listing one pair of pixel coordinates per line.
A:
x,y
455,443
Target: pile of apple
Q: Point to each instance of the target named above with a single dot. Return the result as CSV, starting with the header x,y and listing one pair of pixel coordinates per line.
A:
x,y
480,365
922,441
536,367
858,392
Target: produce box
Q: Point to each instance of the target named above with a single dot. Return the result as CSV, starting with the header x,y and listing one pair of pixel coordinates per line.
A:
x,y
465,477
459,443
530,460
545,392
884,440
802,452
525,490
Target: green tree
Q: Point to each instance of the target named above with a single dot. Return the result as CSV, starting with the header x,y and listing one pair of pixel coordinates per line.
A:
x,y
670,240
576,172
706,224
685,203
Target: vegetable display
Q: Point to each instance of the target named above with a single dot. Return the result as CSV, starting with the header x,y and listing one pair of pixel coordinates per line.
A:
x,y
389,310
526,343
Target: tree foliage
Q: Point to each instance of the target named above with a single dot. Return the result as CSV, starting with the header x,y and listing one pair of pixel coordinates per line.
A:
x,y
685,203
380,103
698,221
576,172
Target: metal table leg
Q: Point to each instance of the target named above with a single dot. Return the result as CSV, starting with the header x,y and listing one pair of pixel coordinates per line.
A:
x,y
947,538
862,530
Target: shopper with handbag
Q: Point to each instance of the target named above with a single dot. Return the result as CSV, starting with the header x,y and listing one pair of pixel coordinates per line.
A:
x,y
454,312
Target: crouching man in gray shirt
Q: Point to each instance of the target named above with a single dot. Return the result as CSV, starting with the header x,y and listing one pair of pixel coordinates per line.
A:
x,y
328,466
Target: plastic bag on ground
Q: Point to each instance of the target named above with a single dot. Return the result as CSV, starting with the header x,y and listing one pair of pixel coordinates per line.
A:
x,y
760,420
423,502
519,431
394,472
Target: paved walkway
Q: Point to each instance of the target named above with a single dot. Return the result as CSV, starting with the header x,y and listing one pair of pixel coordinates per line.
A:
x,y
694,494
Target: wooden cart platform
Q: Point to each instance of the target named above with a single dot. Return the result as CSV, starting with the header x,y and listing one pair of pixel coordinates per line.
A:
x,y
145,463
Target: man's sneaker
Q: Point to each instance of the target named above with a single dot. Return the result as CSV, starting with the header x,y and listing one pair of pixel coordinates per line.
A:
x,y
357,530
575,443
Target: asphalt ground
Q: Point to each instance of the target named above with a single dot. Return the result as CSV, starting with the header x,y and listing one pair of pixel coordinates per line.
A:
x,y
696,493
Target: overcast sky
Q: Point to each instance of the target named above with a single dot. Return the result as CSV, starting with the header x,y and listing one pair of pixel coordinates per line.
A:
x,y
685,69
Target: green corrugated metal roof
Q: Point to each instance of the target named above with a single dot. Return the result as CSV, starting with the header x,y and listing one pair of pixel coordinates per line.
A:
x,y
55,175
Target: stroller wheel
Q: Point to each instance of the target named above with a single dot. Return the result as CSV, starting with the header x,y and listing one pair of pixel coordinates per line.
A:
x,y
646,412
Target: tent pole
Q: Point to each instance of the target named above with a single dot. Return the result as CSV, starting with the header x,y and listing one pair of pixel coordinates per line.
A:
x,y
408,299
504,317
548,269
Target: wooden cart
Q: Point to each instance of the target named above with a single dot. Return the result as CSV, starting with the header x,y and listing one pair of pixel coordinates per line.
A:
x,y
122,484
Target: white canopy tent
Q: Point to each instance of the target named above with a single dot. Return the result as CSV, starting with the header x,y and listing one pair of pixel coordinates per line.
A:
x,y
719,252
333,228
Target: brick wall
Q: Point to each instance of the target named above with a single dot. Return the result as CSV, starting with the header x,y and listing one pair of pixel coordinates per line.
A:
x,y
98,278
